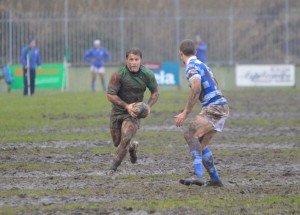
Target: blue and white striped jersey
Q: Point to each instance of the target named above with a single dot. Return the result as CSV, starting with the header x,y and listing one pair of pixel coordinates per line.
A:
x,y
210,93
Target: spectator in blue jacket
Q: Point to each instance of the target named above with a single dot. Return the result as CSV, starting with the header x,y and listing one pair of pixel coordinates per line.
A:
x,y
96,57
201,49
30,59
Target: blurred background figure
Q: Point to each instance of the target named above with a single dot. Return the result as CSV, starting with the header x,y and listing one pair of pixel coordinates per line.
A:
x,y
7,76
30,59
201,49
96,57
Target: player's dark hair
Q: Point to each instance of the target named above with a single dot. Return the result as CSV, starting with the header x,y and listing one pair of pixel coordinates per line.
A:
x,y
187,47
135,51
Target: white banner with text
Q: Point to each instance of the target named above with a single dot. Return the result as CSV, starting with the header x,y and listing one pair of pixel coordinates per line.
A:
x,y
265,75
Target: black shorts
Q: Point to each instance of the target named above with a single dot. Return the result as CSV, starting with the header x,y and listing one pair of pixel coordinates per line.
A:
x,y
116,121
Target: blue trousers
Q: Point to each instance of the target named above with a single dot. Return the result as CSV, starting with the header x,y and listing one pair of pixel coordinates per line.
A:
x,y
31,81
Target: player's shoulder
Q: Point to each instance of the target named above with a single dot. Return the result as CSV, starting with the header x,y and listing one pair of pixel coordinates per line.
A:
x,y
192,64
146,71
118,74
197,64
122,70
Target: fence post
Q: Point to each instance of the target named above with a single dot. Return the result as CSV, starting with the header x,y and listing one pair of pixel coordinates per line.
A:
x,y
287,45
66,51
66,23
231,35
10,37
122,34
177,4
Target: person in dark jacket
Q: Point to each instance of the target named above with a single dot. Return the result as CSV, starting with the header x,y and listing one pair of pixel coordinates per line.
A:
x,y
30,59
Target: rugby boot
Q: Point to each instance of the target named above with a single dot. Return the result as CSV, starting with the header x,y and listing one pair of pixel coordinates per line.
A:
x,y
192,180
132,151
212,183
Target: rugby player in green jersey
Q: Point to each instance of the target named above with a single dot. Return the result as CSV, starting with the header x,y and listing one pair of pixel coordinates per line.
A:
x,y
126,87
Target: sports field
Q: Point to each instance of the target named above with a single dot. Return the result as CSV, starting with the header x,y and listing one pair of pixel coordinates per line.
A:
x,y
56,149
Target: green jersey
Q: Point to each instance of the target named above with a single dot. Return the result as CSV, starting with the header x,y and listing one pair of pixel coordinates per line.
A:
x,y
131,86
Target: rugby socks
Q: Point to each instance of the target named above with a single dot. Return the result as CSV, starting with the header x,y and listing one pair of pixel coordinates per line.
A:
x,y
93,83
197,163
208,163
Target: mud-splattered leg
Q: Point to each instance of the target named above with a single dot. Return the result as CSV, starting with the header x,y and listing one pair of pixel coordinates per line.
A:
x,y
116,136
193,135
128,131
208,160
197,128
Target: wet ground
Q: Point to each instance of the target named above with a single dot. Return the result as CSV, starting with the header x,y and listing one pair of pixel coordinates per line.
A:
x,y
256,163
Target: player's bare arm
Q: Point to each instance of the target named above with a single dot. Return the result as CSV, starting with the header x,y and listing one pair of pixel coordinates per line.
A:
x,y
113,84
153,98
193,97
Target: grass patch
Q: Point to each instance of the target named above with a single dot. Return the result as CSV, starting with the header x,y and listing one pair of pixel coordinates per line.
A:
x,y
68,150
62,111
43,167
260,139
264,122
14,136
207,200
60,192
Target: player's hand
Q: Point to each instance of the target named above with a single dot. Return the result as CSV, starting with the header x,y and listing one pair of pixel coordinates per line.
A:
x,y
179,119
129,109
26,67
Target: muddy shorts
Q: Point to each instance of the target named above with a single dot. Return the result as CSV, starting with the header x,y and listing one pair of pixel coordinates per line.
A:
x,y
117,120
216,115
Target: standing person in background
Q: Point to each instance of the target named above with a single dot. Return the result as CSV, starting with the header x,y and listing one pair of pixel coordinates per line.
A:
x,y
201,49
96,57
208,122
32,52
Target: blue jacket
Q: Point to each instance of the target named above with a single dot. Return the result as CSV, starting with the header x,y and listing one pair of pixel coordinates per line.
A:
x,y
96,57
201,52
34,57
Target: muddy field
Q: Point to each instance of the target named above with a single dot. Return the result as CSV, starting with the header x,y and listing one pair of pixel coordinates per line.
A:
x,y
259,163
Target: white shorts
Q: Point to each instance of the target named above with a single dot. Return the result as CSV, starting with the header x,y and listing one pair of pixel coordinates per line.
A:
x,y
216,115
100,70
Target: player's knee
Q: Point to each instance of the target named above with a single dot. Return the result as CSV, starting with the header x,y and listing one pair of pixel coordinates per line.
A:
x,y
127,135
189,134
116,143
186,135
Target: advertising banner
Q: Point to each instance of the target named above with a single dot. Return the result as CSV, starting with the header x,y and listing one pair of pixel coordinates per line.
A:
x,y
49,76
265,75
166,73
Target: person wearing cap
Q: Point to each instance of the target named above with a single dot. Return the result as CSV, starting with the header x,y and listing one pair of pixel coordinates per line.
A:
x,y
30,59
96,57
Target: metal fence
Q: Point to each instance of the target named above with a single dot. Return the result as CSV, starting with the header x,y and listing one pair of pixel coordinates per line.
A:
x,y
232,36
